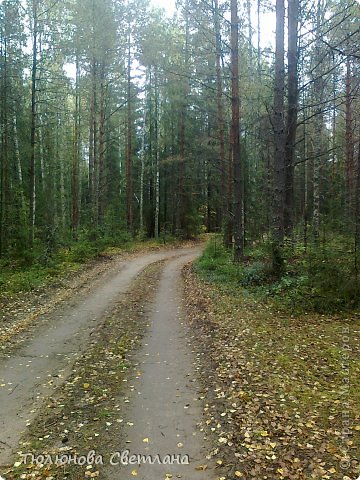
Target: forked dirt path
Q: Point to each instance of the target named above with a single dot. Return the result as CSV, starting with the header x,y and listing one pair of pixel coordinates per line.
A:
x,y
164,404
48,352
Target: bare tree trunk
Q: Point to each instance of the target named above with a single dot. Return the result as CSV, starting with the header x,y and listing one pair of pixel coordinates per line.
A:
x,y
180,212
93,142
250,30
316,180
17,154
357,212
102,183
357,204
235,108
349,144
75,218
60,162
220,119
258,39
32,177
129,182
279,131
229,219
292,109
157,169
4,171
319,126
142,173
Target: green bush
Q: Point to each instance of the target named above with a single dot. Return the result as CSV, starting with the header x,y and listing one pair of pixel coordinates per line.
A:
x,y
255,273
323,279
82,251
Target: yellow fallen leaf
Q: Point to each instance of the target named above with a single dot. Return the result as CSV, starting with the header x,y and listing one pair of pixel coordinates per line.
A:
x,y
201,467
219,462
134,473
264,433
86,385
146,440
332,470
238,474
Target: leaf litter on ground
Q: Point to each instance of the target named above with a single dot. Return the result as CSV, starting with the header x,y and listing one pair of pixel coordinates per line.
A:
x,y
282,393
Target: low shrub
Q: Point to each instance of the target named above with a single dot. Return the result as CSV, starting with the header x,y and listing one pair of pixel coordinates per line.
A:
x,y
323,279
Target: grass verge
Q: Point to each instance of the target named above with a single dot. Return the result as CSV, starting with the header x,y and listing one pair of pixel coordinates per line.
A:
x,y
323,279
18,277
283,392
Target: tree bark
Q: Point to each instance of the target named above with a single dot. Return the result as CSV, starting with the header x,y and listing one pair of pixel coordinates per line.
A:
x,y
292,109
32,173
129,182
220,121
349,144
75,184
142,172
102,183
235,109
319,124
180,210
279,130
4,171
157,168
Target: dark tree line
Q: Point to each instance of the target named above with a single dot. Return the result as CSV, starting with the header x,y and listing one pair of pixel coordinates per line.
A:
x,y
118,121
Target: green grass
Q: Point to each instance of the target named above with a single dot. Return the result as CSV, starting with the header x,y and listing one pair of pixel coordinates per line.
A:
x,y
322,279
40,269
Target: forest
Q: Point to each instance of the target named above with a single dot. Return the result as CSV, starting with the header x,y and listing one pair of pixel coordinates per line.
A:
x,y
118,122
180,238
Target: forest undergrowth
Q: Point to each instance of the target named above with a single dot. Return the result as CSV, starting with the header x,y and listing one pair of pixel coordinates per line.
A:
x,y
283,387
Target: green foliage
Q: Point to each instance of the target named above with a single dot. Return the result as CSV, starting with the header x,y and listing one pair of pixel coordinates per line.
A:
x,y
83,251
255,273
216,264
323,279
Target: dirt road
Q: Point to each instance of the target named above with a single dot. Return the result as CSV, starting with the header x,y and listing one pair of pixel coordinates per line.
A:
x,y
163,404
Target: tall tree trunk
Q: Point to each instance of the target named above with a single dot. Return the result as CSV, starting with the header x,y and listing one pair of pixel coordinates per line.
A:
x,y
4,171
93,161
60,163
19,170
157,168
180,211
279,132
75,179
142,172
258,39
32,172
357,205
235,109
319,124
250,29
349,144
279,144
220,121
292,109
102,181
129,180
